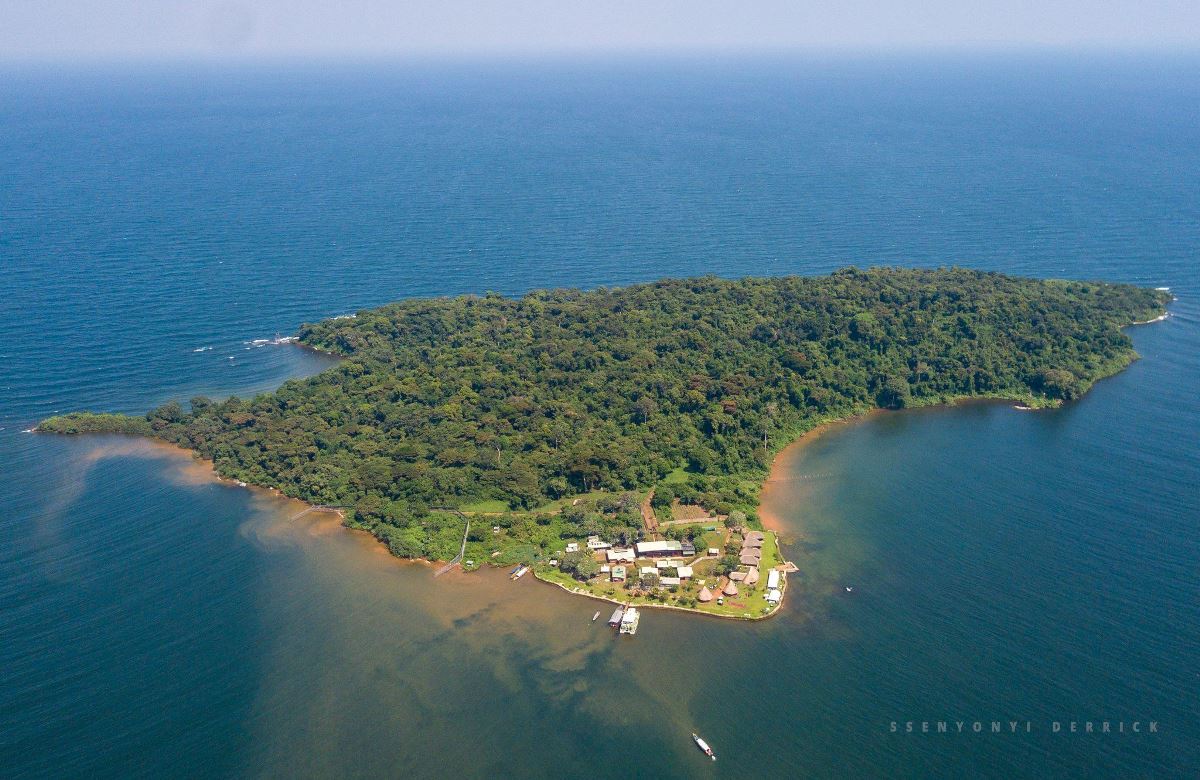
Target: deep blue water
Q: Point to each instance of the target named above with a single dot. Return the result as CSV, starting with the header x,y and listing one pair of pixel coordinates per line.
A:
x,y
1008,566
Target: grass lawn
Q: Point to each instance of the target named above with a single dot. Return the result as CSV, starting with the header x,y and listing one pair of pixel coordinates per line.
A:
x,y
560,504
490,505
677,476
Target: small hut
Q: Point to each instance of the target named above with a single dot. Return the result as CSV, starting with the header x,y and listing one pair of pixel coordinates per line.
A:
x,y
750,558
737,576
730,589
751,576
704,596
749,543
759,535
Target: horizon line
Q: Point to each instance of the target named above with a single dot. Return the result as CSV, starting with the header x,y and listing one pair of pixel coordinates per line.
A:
x,y
831,53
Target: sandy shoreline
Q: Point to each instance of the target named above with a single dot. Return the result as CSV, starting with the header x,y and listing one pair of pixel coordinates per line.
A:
x,y
783,461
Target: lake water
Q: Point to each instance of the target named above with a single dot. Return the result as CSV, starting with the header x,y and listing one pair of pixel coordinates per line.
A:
x,y
1009,566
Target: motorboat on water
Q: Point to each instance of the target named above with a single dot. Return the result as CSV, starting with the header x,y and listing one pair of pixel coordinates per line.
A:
x,y
704,746
596,616
518,572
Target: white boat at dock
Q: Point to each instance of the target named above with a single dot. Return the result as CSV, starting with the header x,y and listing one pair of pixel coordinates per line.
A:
x,y
629,621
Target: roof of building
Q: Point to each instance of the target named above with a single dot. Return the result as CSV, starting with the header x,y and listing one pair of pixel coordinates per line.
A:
x,y
737,576
649,570
714,551
665,546
752,576
620,554
755,535
730,589
774,595
750,558
684,572
704,595
752,543
670,581
773,578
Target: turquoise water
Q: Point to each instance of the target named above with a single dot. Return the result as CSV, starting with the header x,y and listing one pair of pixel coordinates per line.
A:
x,y
1006,565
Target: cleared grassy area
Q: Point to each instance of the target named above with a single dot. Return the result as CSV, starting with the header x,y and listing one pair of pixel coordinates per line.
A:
x,y
492,505
679,475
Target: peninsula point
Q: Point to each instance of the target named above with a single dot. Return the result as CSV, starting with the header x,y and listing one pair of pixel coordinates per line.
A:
x,y
615,440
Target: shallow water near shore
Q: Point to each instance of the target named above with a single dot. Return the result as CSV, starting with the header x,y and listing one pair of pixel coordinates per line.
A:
x,y
1005,565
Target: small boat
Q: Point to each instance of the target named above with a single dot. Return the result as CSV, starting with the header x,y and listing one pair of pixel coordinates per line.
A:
x,y
703,746
518,572
849,589
596,616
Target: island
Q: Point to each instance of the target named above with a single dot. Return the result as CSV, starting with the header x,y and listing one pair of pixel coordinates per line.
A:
x,y
614,441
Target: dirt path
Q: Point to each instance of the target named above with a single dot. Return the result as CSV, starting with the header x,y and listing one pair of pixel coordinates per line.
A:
x,y
648,518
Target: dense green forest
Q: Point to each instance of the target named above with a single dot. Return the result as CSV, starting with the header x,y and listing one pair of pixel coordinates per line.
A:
x,y
447,401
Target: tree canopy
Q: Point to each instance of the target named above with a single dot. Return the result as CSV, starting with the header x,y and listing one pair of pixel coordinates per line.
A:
x,y
442,402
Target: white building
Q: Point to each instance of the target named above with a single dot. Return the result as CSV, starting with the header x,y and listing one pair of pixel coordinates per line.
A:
x,y
620,555
773,579
654,549
773,597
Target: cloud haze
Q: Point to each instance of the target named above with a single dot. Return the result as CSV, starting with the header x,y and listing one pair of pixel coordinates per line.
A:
x,y
140,28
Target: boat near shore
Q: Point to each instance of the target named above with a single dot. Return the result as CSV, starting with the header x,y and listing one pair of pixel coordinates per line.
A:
x,y
629,621
518,572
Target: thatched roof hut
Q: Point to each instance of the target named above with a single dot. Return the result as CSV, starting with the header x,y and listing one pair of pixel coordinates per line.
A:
x,y
737,575
751,543
730,589
751,576
705,595
750,557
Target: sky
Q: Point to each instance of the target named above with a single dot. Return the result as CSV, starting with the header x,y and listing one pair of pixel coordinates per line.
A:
x,y
81,29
